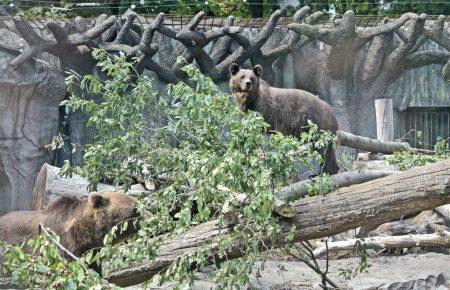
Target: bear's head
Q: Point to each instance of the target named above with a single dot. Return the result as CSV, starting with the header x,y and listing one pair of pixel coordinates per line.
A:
x,y
97,215
244,85
111,208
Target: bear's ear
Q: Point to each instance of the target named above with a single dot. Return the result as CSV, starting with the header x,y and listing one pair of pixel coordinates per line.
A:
x,y
257,69
234,68
97,200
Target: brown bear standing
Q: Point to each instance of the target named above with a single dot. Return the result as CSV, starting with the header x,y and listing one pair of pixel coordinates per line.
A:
x,y
81,223
285,110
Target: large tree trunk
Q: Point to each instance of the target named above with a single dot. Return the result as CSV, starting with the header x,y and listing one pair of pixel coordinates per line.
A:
x,y
369,203
353,102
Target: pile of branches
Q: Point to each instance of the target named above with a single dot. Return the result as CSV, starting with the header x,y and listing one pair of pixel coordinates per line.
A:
x,y
376,201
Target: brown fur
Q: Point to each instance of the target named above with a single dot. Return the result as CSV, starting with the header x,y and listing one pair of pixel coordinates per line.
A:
x,y
81,223
285,110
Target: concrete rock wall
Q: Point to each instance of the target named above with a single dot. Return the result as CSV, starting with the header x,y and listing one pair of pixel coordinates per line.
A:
x,y
29,115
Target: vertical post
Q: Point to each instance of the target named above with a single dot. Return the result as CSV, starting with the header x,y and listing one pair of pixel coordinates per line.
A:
x,y
384,111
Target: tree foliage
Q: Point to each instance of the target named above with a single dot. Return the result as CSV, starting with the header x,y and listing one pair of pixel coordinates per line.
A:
x,y
406,159
38,264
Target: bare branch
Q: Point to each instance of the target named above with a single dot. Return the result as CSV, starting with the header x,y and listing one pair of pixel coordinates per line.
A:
x,y
402,51
192,25
26,55
375,55
426,57
301,14
240,39
302,40
387,27
125,28
406,241
313,18
61,247
80,25
215,33
164,73
291,37
146,45
27,31
58,31
436,33
243,53
92,33
446,71
189,37
222,45
346,30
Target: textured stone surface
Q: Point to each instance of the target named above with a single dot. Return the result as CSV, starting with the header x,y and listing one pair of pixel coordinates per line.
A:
x,y
29,114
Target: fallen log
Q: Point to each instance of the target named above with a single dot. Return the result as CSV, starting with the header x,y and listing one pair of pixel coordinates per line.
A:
x,y
444,211
420,224
376,146
389,242
50,185
343,179
372,202
370,145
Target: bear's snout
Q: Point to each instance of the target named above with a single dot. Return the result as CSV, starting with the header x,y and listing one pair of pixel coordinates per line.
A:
x,y
248,85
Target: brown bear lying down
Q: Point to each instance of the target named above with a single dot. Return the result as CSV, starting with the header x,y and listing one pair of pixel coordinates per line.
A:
x,y
81,223
285,110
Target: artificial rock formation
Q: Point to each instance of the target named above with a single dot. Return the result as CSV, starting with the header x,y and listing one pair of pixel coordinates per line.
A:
x,y
347,64
356,65
29,116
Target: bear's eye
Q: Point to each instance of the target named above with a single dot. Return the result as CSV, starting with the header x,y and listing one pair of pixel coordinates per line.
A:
x,y
242,77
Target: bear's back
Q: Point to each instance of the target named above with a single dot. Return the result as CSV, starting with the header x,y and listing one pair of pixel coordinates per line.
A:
x,y
287,110
81,223
18,226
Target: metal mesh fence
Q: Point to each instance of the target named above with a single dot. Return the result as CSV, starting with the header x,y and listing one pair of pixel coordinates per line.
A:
x,y
210,22
421,127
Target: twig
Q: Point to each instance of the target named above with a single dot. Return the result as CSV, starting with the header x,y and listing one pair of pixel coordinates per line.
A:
x,y
327,264
314,268
61,247
69,253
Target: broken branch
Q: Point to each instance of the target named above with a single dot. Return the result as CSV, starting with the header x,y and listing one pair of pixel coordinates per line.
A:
x,y
406,241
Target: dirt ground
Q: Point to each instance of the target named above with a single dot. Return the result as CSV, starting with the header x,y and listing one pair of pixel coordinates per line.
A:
x,y
383,271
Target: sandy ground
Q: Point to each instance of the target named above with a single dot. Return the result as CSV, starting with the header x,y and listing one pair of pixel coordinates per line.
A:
x,y
383,271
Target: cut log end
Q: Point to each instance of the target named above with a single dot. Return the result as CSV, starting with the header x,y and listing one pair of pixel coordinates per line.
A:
x,y
38,195
284,209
